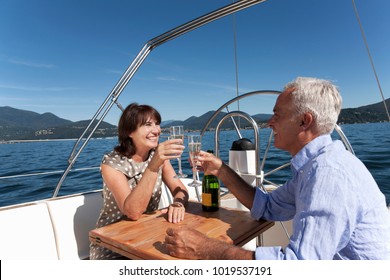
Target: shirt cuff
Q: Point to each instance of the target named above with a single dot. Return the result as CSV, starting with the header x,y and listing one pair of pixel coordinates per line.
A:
x,y
269,253
259,202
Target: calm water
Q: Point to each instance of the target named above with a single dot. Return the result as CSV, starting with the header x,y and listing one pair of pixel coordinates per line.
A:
x,y
371,143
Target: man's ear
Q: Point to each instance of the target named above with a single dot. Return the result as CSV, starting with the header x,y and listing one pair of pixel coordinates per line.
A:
x,y
307,120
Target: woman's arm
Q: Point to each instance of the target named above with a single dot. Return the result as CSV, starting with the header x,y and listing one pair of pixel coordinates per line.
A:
x,y
131,202
179,192
175,185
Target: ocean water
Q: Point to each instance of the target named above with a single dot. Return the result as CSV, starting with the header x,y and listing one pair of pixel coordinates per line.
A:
x,y
42,163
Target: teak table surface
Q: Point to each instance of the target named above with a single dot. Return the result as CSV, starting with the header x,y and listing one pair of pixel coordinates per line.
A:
x,y
144,238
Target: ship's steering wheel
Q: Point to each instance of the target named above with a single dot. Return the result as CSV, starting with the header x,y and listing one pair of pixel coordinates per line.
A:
x,y
261,176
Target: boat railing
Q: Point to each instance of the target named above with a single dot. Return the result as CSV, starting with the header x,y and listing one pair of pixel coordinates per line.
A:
x,y
344,139
26,176
46,173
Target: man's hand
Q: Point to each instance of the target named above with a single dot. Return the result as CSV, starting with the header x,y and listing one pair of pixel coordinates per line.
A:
x,y
210,163
187,243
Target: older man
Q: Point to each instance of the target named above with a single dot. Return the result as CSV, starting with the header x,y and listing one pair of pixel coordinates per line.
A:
x,y
337,208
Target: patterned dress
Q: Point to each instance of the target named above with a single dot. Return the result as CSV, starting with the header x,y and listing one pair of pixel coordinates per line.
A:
x,y
110,212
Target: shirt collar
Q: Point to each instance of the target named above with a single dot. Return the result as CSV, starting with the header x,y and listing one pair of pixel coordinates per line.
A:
x,y
310,150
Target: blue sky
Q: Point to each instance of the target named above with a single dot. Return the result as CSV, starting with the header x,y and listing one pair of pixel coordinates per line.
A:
x,y
65,56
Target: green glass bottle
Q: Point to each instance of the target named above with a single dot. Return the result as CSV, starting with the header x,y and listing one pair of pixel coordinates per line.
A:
x,y
210,192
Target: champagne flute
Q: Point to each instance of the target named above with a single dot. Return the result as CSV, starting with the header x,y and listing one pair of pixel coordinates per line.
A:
x,y
177,132
194,146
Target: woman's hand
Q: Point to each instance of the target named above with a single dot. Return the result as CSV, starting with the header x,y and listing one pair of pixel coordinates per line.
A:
x,y
167,150
175,212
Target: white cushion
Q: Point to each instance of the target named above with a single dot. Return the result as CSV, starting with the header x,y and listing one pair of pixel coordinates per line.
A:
x,y
27,233
73,217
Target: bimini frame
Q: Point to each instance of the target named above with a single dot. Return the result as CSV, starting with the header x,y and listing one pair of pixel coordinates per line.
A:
x,y
129,73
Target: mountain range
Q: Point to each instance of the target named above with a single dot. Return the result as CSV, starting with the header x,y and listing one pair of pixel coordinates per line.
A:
x,y
16,124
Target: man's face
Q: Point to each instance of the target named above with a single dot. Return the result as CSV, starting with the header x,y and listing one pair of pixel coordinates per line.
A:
x,y
286,124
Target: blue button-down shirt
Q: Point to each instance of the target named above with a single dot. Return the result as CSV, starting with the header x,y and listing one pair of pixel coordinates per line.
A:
x,y
337,208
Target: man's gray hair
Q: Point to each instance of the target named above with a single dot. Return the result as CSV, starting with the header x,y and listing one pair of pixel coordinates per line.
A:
x,y
319,97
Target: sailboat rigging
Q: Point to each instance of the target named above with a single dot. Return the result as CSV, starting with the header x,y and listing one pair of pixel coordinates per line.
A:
x,y
370,57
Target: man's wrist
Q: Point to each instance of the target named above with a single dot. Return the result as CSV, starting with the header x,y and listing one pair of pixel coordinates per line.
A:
x,y
223,170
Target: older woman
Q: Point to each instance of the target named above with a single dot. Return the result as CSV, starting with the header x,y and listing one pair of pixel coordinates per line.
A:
x,y
133,173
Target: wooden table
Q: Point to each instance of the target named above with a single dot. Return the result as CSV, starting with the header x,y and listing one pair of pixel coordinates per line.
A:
x,y
145,238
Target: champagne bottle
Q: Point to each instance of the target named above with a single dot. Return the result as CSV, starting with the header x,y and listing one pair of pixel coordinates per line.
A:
x,y
210,192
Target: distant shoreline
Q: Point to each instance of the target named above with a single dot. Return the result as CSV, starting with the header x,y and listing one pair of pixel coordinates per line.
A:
x,y
48,140
39,140
162,135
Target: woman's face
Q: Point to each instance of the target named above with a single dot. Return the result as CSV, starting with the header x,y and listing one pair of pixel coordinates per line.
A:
x,y
146,136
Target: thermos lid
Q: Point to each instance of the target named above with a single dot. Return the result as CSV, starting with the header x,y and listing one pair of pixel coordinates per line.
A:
x,y
243,144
